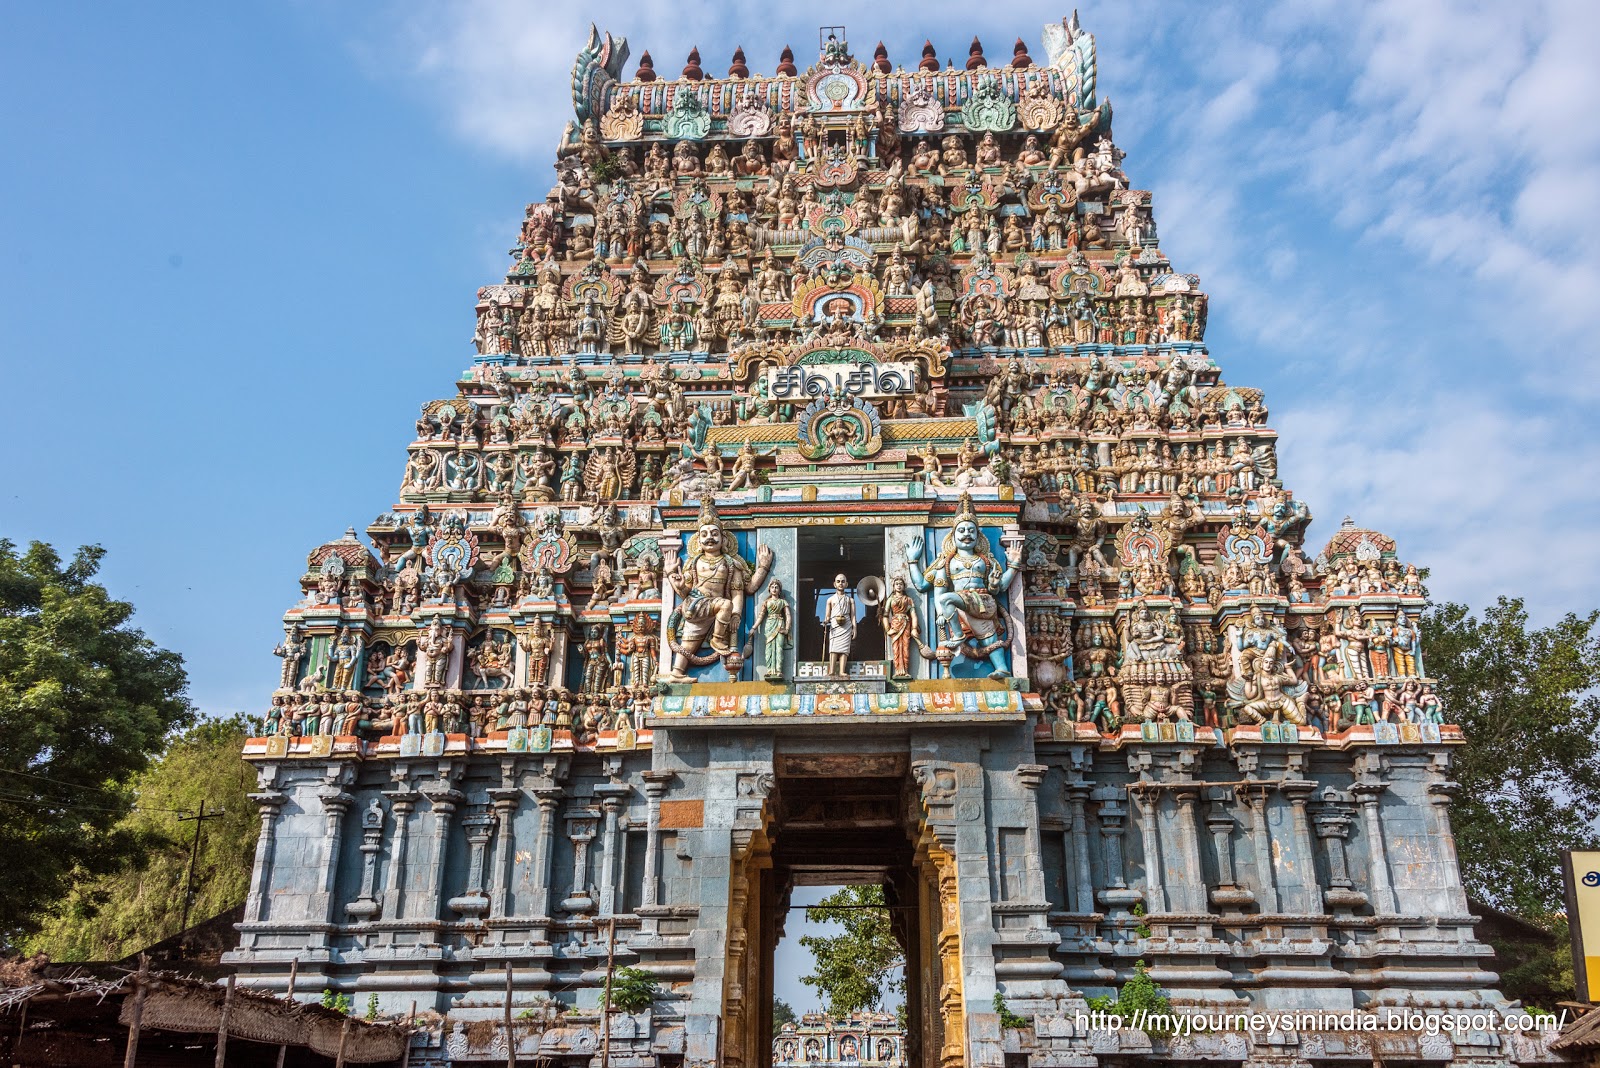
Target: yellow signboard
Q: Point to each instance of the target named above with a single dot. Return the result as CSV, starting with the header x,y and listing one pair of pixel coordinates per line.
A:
x,y
1583,910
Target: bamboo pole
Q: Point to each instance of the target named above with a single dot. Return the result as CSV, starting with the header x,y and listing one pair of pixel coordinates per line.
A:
x,y
130,1058
222,1025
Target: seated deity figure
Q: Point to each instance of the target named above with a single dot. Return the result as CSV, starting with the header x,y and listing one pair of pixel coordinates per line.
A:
x,y
1265,683
712,586
967,578
1148,640
839,619
1271,690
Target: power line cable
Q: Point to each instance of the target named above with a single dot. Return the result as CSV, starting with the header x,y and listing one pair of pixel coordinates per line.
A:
x,y
92,789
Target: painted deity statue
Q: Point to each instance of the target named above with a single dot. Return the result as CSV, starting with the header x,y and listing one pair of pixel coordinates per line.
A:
x,y
775,624
967,579
436,643
293,650
344,656
901,628
712,585
839,623
1265,683
1270,690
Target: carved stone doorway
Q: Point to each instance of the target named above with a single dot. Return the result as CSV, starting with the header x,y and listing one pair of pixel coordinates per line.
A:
x,y
852,819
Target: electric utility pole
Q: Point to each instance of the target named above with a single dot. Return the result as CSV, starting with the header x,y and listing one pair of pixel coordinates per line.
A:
x,y
194,857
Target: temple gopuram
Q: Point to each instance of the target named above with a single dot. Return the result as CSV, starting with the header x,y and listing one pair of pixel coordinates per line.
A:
x,y
842,492
816,1040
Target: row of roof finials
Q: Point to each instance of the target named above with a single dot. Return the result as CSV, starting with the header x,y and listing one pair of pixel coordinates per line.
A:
x,y
738,68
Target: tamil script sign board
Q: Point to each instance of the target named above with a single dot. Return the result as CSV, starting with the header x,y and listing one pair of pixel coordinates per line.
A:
x,y
1582,871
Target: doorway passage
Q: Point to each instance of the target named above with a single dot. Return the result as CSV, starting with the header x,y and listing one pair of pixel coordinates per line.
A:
x,y
840,820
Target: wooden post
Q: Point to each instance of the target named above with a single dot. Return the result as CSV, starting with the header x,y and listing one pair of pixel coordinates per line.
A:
x,y
411,1022
344,1033
605,1005
294,971
222,1025
131,1057
511,1041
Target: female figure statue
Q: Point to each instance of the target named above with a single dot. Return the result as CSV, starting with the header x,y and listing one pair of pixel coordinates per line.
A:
x,y
898,617
774,623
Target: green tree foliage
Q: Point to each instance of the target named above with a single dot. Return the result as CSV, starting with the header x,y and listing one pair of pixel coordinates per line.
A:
x,y
632,990
1139,992
1535,968
1530,771
853,971
85,700
108,916
782,1013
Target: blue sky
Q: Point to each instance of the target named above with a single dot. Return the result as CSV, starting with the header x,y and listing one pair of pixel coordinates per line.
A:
x,y
239,246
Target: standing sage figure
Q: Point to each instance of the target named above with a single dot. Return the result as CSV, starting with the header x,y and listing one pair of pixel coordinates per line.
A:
x,y
839,618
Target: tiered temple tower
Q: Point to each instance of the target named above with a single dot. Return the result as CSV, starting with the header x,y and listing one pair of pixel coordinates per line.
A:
x,y
843,491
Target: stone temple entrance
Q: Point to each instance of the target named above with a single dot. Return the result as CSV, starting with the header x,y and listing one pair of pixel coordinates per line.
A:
x,y
561,711
842,819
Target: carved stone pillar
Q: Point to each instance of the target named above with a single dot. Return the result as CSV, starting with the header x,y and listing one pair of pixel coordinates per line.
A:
x,y
268,802
1077,848
335,803
1297,791
1255,797
401,802
549,798
1193,887
1442,794
610,804
655,788
581,827
1220,822
505,813
1155,894
474,902
365,906
1113,814
442,799
1031,776
1333,822
1369,794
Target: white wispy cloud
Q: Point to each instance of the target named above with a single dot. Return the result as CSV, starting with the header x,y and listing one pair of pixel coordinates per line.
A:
x,y
1396,207
500,70
1493,502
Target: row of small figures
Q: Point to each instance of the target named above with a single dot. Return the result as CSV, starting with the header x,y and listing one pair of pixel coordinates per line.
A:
x,y
349,713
